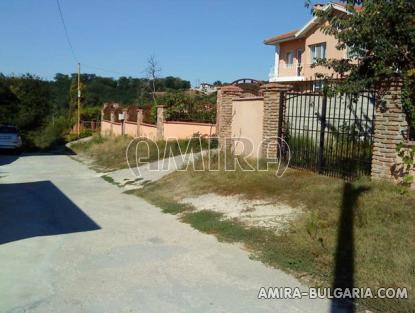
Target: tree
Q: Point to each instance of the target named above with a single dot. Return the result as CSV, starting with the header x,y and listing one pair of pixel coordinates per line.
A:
x,y
152,71
380,34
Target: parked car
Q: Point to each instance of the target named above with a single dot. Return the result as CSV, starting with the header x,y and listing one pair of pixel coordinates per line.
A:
x,y
10,138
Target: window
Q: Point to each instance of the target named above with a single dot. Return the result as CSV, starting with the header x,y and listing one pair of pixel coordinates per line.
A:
x,y
290,59
318,85
318,52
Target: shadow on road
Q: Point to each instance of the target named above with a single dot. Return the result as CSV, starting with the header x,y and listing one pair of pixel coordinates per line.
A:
x,y
344,257
38,209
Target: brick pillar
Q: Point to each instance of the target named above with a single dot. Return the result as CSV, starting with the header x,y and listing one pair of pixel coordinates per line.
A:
x,y
139,121
225,97
390,127
160,122
272,122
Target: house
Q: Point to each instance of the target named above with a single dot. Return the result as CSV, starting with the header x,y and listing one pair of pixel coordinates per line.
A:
x,y
297,50
206,88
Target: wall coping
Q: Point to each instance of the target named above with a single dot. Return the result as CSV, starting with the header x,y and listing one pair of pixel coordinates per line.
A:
x,y
148,125
189,123
230,88
131,122
249,99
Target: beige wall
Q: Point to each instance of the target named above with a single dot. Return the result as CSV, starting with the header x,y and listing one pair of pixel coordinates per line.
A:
x,y
182,130
315,36
116,129
247,122
286,47
105,127
148,131
130,128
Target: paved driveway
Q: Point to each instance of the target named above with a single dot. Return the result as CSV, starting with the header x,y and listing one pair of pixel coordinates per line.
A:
x,y
71,242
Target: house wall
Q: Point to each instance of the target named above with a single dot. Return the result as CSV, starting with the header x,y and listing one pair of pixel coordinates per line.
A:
x,y
286,47
247,122
316,36
182,130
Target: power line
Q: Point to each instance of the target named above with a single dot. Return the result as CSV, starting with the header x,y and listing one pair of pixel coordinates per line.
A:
x,y
68,39
104,69
66,32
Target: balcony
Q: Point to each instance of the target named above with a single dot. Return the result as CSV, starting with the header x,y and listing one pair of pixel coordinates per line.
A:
x,y
287,72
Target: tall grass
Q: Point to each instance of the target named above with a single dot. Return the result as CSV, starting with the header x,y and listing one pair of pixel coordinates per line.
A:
x,y
110,153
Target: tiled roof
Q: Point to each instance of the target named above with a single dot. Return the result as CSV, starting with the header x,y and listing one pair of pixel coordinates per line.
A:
x,y
280,37
291,34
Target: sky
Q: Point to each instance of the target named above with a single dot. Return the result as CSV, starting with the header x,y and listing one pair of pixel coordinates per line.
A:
x,y
197,40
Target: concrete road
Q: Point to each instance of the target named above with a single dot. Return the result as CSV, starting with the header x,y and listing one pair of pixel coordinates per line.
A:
x,y
71,242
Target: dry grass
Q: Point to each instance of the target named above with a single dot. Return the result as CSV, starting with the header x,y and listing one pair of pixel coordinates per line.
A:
x,y
110,153
383,225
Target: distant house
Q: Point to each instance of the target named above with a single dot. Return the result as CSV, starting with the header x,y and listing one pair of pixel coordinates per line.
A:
x,y
206,88
297,50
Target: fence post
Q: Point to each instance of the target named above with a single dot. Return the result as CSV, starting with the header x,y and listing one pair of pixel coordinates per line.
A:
x,y
160,122
112,119
323,126
274,97
389,130
139,121
125,113
226,95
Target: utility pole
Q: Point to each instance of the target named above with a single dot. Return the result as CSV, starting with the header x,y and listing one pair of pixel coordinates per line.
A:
x,y
79,99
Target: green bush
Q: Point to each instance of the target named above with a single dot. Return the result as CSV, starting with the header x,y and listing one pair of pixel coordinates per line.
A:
x,y
51,134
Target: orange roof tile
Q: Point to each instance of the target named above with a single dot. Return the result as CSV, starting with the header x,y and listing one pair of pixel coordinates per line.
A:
x,y
280,37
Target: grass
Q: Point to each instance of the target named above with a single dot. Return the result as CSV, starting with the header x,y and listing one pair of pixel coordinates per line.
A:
x,y
110,153
383,224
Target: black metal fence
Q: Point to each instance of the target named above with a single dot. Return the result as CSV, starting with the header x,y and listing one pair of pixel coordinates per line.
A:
x,y
327,132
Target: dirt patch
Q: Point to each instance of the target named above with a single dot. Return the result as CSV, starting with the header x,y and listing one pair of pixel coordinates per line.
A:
x,y
259,213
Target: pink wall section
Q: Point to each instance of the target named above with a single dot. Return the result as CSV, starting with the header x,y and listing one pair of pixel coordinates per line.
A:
x,y
105,127
314,36
286,47
182,130
176,130
130,129
148,131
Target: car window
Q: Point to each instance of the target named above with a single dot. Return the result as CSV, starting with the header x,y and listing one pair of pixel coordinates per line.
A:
x,y
8,130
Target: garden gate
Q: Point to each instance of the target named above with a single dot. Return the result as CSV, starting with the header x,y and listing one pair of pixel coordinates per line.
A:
x,y
326,132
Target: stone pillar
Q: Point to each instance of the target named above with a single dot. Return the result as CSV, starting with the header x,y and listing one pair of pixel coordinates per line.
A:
x,y
139,121
390,128
160,122
272,122
226,94
112,119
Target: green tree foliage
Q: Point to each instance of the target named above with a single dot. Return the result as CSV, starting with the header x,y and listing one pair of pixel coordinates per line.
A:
x,y
188,106
380,34
44,110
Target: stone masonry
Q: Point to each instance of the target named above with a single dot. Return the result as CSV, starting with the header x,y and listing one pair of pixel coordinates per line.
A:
x,y
273,101
225,97
390,127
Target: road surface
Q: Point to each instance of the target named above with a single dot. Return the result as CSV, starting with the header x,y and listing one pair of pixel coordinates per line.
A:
x,y
72,242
